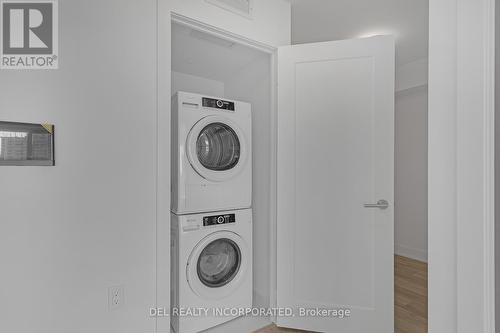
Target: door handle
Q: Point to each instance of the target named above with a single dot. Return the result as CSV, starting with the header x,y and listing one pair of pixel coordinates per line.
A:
x,y
381,204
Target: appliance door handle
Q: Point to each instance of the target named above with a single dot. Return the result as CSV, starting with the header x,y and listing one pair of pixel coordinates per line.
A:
x,y
381,204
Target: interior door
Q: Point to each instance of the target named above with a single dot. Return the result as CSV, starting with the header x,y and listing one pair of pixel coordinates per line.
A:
x,y
336,185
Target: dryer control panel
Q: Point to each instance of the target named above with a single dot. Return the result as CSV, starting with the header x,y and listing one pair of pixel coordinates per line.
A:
x,y
219,219
218,104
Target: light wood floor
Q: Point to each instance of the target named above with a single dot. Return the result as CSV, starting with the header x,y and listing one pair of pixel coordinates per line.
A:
x,y
410,298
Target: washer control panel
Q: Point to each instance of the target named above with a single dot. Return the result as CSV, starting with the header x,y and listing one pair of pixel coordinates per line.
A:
x,y
218,104
219,219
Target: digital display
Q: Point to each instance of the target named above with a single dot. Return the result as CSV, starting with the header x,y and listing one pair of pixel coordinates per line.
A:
x,y
218,104
219,219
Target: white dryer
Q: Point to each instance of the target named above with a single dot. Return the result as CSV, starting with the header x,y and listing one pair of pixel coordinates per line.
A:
x,y
211,268
211,154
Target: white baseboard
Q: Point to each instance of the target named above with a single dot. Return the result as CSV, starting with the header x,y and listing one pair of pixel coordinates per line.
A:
x,y
417,254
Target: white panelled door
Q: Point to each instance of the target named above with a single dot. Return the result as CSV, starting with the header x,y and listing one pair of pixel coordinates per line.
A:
x,y
336,185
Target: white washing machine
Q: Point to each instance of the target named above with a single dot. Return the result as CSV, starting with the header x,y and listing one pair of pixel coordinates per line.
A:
x,y
211,154
211,268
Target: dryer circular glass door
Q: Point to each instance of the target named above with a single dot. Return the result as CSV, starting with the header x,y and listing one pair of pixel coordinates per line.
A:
x,y
216,148
218,265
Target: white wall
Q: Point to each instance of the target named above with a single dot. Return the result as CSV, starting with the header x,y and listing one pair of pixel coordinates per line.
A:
x,y
442,217
460,165
412,75
411,173
69,232
196,84
497,167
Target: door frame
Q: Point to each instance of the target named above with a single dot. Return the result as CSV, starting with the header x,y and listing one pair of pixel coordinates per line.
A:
x,y
273,53
165,17
163,162
461,166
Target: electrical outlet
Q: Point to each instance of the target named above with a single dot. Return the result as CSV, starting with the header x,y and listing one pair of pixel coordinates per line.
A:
x,y
116,297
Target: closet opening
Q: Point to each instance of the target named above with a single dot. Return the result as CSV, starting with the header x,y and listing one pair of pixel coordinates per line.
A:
x,y
223,70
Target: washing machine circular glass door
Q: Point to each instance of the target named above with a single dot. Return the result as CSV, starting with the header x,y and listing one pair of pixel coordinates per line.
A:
x,y
217,265
216,148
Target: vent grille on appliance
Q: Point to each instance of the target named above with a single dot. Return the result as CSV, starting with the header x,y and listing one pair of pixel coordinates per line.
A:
x,y
243,7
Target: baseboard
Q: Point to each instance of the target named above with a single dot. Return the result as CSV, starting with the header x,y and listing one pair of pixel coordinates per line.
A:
x,y
241,325
417,254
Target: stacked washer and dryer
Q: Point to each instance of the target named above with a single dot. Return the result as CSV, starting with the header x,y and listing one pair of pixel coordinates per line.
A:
x,y
211,210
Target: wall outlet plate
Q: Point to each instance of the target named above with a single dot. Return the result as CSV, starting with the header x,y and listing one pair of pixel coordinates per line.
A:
x,y
116,297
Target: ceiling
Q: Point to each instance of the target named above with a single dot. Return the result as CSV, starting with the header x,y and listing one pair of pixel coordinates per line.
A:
x,y
324,20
